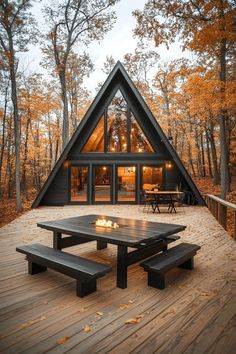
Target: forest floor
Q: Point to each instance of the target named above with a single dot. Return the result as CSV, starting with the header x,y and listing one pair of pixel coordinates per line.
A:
x,y
205,185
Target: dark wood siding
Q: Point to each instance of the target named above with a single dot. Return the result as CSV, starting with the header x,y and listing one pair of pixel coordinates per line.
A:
x,y
57,193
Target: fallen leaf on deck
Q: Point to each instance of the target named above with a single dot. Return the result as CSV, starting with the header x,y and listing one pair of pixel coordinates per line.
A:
x,y
63,340
205,293
42,318
131,301
86,328
99,313
31,322
123,306
140,316
168,313
27,324
132,321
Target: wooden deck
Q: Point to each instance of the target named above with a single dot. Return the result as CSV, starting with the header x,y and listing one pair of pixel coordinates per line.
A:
x,y
196,313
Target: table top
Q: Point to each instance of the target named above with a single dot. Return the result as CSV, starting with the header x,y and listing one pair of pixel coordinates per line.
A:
x,y
130,233
164,192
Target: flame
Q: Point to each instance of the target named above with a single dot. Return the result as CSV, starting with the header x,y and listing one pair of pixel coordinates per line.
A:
x,y
106,223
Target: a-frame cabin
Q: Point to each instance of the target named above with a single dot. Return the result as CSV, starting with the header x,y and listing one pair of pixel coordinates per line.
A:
x,y
118,150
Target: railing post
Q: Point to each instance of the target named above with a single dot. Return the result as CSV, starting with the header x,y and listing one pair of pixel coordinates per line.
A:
x,y
210,205
219,209
222,215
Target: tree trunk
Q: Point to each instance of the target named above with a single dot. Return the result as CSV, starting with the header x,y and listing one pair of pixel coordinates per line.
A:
x,y
199,163
16,122
203,156
224,161
208,152
23,179
191,160
3,139
50,143
65,125
214,154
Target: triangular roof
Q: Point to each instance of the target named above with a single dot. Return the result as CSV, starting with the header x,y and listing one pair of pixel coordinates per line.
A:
x,y
118,69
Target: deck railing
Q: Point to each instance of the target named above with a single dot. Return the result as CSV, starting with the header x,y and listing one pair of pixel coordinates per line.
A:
x,y
219,207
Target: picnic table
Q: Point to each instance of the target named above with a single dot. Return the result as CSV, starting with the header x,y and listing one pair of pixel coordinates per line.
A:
x,y
164,197
147,238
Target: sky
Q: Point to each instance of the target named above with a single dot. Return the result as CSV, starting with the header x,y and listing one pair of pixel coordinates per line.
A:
x,y
117,42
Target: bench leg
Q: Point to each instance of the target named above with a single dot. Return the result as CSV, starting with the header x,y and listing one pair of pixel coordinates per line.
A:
x,y
34,268
83,289
189,264
156,280
101,245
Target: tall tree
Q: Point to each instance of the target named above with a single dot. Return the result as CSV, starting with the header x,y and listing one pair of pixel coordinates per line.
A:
x,y
72,22
79,67
207,28
16,31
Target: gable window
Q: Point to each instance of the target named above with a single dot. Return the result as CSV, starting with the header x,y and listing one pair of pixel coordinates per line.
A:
x,y
95,142
119,132
117,124
138,141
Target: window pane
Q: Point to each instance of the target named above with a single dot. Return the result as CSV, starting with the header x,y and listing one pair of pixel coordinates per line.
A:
x,y
79,178
102,185
117,124
126,184
139,142
151,177
95,142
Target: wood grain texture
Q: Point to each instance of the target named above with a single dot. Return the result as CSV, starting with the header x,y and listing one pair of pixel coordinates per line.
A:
x,y
195,313
130,233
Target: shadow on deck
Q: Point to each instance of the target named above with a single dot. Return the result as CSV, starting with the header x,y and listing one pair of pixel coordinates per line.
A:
x,y
196,313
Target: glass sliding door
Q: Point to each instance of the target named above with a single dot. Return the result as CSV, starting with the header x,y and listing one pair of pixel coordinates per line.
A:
x,y
79,184
151,177
126,184
102,182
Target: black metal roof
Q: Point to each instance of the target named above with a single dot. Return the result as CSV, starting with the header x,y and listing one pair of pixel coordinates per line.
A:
x,y
118,69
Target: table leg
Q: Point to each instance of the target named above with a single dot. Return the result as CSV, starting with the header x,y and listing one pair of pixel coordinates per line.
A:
x,y
156,206
57,240
171,205
122,254
164,245
101,245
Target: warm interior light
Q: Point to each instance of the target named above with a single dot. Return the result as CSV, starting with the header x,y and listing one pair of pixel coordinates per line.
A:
x,y
106,223
140,150
112,149
104,168
168,164
144,168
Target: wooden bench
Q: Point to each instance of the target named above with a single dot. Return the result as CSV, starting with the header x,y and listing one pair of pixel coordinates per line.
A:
x,y
85,271
180,255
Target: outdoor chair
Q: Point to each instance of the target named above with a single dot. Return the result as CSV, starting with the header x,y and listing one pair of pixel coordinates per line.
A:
x,y
147,201
189,197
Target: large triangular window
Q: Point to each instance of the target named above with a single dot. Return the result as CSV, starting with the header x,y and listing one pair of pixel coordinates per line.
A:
x,y
117,140
138,141
95,142
122,131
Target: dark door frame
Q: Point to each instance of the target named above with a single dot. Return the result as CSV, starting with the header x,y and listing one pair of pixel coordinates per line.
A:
x,y
93,183
69,183
125,164
149,164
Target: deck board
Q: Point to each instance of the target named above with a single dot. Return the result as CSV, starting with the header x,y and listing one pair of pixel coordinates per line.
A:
x,y
196,313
